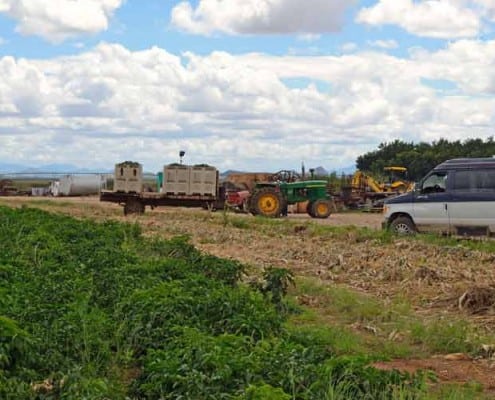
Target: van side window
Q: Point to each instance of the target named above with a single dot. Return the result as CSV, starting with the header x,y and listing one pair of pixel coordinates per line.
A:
x,y
464,180
475,181
435,183
487,182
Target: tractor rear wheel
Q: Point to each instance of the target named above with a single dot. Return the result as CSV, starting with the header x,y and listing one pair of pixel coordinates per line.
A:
x,y
267,202
321,208
309,209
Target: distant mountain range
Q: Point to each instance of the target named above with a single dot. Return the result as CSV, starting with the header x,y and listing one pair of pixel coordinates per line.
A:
x,y
8,168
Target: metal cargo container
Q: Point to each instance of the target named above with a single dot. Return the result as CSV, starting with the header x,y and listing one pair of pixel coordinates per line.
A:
x,y
203,180
159,182
176,178
128,177
78,185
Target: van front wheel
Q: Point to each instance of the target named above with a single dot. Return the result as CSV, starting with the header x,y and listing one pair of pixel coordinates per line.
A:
x,y
403,226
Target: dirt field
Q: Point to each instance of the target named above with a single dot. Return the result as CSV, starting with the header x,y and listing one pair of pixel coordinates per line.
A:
x,y
438,281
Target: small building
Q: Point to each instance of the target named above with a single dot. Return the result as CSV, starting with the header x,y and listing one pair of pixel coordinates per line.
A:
x,y
40,191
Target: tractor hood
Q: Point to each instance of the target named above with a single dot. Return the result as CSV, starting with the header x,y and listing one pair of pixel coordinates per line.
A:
x,y
306,184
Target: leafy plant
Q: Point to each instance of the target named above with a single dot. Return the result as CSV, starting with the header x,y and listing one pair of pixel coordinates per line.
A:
x,y
263,392
277,282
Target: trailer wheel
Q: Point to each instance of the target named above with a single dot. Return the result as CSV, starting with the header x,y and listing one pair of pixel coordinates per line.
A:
x,y
321,208
133,206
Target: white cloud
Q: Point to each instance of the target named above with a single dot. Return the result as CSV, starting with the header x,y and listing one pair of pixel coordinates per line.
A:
x,y
260,16
349,47
444,19
384,44
308,37
57,20
468,63
108,104
486,9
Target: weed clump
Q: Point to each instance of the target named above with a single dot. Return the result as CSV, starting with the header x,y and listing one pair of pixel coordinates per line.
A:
x,y
478,300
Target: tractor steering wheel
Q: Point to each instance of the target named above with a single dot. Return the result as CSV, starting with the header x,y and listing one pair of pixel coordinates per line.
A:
x,y
285,176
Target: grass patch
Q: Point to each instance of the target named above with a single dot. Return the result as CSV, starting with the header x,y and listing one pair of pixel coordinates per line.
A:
x,y
445,336
311,328
469,391
483,244
51,203
350,305
387,329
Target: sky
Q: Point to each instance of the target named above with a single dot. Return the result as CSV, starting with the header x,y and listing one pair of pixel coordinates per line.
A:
x,y
254,85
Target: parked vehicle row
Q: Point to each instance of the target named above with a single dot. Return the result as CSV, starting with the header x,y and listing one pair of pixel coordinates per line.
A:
x,y
457,197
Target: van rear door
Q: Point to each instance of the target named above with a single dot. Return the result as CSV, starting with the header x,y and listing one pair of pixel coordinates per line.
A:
x,y
473,200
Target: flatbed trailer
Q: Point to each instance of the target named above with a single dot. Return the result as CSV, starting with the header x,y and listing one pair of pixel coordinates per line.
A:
x,y
135,203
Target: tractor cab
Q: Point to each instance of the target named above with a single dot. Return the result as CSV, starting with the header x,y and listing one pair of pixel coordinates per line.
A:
x,y
397,179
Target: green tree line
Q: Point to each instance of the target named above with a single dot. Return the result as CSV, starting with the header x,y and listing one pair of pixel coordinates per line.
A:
x,y
419,158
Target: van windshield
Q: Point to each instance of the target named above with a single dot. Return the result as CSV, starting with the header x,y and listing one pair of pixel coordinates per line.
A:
x,y
435,183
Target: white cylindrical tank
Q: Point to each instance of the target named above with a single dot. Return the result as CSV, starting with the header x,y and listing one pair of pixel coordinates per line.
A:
x,y
80,185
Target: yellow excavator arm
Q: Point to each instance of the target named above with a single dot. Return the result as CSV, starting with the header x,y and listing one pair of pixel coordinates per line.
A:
x,y
360,182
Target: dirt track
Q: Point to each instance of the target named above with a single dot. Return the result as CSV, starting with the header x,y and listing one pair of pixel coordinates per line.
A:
x,y
370,220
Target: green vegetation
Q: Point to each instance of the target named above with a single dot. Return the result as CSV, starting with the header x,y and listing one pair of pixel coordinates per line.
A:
x,y
421,157
382,323
96,311
27,184
353,234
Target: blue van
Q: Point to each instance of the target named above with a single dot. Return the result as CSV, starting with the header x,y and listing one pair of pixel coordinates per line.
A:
x,y
456,197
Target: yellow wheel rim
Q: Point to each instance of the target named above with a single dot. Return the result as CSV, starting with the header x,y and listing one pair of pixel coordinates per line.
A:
x,y
322,209
268,203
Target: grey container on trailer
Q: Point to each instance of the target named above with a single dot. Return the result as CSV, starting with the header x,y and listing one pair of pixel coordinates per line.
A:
x,y
128,177
176,179
189,180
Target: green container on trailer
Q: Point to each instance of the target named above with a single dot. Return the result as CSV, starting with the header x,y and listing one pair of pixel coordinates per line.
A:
x,y
159,181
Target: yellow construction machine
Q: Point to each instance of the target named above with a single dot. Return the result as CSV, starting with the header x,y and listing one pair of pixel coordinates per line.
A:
x,y
396,183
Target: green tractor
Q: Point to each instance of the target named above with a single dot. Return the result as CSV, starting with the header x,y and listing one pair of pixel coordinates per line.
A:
x,y
271,199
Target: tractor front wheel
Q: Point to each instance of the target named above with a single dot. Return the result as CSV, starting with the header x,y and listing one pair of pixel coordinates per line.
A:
x,y
267,202
321,208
